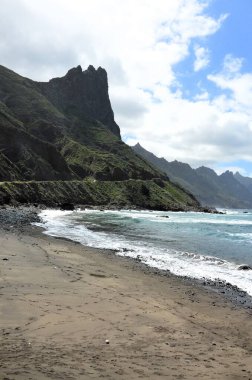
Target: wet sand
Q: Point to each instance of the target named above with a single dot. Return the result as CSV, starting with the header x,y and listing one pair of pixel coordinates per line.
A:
x,y
60,302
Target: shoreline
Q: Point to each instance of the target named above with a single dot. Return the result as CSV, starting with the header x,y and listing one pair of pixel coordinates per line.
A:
x,y
30,214
60,301
231,292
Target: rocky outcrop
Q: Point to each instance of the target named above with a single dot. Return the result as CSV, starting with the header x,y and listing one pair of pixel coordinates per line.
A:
x,y
244,267
83,94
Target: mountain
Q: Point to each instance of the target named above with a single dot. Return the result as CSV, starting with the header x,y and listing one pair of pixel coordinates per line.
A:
x,y
225,190
245,181
63,131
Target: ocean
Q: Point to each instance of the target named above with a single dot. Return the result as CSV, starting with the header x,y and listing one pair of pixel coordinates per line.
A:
x,y
192,244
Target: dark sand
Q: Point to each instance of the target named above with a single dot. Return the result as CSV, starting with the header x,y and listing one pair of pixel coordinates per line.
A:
x,y
60,301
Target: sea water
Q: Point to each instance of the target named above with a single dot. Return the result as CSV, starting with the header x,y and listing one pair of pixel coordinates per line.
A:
x,y
197,245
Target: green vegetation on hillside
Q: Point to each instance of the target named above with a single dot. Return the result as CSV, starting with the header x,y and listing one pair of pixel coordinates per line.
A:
x,y
59,143
64,146
150,194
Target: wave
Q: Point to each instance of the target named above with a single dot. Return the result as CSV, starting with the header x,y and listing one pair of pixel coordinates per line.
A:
x,y
180,217
182,263
240,236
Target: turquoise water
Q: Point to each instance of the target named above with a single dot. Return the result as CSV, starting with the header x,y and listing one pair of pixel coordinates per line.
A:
x,y
190,244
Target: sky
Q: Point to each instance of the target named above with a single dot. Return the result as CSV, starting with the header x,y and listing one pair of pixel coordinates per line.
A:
x,y
179,71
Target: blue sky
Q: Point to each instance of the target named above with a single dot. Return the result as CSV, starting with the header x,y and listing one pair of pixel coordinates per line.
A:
x,y
232,38
180,71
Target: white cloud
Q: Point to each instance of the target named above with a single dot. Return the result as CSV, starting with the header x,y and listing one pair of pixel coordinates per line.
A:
x,y
199,132
238,84
203,95
202,58
138,42
232,64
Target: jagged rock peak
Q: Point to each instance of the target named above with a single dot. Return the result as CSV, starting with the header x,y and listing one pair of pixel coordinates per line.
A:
x,y
91,68
74,71
78,72
100,72
138,145
205,170
227,173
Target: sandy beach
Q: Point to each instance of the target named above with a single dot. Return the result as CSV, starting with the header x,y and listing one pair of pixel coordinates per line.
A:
x,y
61,301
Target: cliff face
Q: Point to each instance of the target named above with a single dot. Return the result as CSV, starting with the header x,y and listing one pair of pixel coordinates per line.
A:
x,y
83,94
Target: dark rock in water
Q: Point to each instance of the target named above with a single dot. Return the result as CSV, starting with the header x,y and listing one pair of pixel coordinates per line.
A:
x,y
67,206
244,267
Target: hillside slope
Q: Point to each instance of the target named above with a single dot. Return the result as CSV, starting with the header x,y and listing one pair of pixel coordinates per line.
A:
x,y
66,114
64,130
226,190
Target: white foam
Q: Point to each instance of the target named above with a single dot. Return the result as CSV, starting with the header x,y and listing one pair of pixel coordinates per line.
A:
x,y
62,224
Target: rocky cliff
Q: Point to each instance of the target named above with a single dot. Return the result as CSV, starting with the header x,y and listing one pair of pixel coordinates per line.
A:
x,y
64,129
82,94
